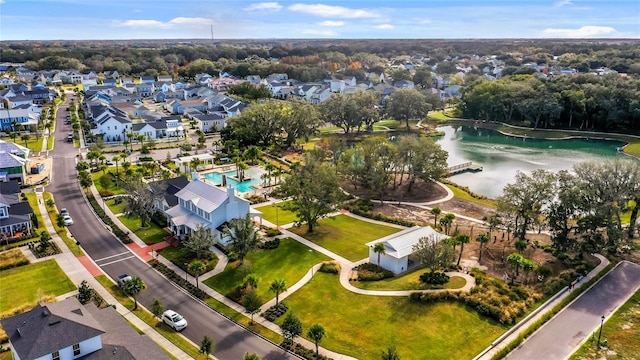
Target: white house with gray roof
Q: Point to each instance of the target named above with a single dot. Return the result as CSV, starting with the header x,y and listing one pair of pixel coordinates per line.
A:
x,y
399,247
201,203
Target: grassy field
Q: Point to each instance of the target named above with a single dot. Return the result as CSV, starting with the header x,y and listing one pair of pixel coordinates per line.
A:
x,y
174,337
410,281
362,326
345,235
51,140
633,149
33,145
150,234
117,208
290,261
622,333
33,202
283,216
62,232
20,286
461,194
117,190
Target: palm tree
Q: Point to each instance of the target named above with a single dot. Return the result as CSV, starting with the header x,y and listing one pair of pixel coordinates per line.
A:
x,y
278,286
115,159
435,212
270,168
483,239
447,221
141,138
243,237
461,239
380,250
206,346
515,261
528,266
13,135
196,268
25,138
134,287
316,333
390,353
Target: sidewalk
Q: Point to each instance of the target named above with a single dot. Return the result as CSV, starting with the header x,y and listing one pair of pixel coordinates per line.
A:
x,y
77,272
520,327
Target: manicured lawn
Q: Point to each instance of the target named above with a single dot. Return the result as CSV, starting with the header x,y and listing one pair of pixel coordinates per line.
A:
x,y
50,142
362,326
113,188
461,194
33,202
409,281
290,261
53,215
622,333
20,286
633,149
117,208
345,235
280,218
33,144
151,234
181,255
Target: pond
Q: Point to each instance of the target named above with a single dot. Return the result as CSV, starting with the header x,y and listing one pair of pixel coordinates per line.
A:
x,y
502,156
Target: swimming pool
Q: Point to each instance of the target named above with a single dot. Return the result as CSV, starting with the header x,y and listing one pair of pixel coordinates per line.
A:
x,y
244,186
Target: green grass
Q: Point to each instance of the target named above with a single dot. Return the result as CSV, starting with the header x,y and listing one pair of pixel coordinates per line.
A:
x,y
53,215
290,261
117,208
33,145
463,195
116,190
150,234
345,235
621,331
51,140
410,281
33,202
633,149
283,216
362,326
20,286
149,319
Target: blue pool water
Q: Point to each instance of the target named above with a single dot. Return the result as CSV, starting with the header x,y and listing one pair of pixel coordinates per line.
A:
x,y
244,186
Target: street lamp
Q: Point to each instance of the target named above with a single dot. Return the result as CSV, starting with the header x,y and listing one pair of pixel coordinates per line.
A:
x,y
600,334
277,225
185,272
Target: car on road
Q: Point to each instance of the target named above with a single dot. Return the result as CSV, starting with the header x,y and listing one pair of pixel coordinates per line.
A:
x,y
70,137
123,279
67,220
174,320
108,162
64,212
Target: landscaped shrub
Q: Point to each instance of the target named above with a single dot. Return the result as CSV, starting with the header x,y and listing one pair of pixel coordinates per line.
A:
x,y
272,232
372,272
12,258
255,199
179,280
275,311
435,277
105,193
124,237
270,245
302,351
330,268
363,208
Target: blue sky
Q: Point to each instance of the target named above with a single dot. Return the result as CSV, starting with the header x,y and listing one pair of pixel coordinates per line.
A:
x,y
240,19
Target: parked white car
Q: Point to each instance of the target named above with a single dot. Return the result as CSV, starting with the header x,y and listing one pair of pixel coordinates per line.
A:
x,y
174,320
68,220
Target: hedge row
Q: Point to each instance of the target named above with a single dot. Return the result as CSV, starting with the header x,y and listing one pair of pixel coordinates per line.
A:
x,y
372,272
270,245
275,311
364,208
124,237
329,268
179,280
302,351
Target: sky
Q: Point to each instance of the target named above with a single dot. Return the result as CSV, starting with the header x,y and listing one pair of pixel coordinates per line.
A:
x,y
345,19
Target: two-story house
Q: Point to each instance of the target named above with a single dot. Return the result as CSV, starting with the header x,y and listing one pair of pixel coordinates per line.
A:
x,y
201,203
15,215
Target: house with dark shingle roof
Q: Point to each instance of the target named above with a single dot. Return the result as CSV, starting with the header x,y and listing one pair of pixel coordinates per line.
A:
x,y
15,215
69,330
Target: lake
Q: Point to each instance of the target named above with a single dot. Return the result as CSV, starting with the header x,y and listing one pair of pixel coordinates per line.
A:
x,y
502,156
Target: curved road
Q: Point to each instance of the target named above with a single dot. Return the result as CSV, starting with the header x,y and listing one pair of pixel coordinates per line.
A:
x,y
230,340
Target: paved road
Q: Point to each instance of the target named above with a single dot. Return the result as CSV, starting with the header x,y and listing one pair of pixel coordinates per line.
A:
x,y
559,338
231,341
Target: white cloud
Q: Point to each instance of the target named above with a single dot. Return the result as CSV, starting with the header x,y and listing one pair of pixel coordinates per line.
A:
x,y
319,32
561,3
333,11
190,21
171,23
273,6
583,32
384,26
331,23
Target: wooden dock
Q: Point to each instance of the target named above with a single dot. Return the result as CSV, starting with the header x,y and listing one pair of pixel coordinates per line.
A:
x,y
468,166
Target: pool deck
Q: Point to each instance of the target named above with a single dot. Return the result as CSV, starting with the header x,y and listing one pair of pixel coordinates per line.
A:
x,y
254,171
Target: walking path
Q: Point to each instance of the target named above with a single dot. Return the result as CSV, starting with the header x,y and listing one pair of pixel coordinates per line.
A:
x,y
513,333
77,270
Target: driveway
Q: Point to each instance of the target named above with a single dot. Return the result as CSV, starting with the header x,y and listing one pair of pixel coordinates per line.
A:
x,y
560,337
231,340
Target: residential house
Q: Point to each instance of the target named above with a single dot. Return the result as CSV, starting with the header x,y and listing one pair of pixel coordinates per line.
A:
x,y
223,83
145,89
13,161
147,79
203,204
320,95
399,248
15,215
110,82
68,330
254,79
6,81
209,122
452,91
126,80
134,109
170,187
203,79
165,78
178,106
112,74
277,77
24,117
404,84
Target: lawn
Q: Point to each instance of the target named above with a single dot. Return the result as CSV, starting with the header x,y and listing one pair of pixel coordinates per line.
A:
x,y
290,261
33,145
281,217
633,149
622,333
462,194
50,142
116,190
345,235
33,203
117,208
151,234
62,232
20,286
362,326
410,281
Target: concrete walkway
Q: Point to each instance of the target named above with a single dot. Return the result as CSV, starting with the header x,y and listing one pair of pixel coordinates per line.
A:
x,y
520,327
77,272
345,275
